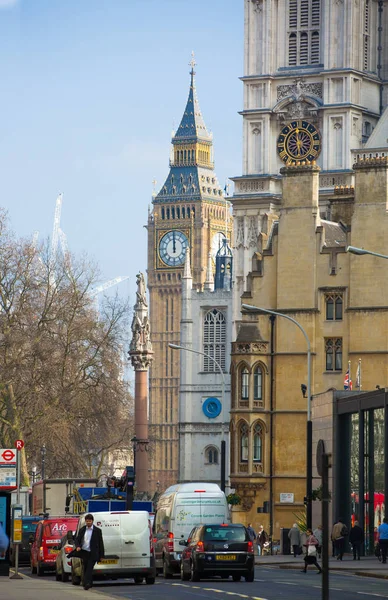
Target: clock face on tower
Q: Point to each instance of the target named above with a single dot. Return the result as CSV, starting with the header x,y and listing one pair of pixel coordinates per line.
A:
x,y
299,140
172,248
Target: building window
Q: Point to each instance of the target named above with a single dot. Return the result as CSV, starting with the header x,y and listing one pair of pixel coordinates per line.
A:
x,y
211,456
257,443
257,384
214,340
245,384
334,307
304,20
333,351
244,442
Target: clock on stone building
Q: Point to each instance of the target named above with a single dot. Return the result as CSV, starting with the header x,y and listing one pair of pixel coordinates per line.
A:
x,y
299,140
172,248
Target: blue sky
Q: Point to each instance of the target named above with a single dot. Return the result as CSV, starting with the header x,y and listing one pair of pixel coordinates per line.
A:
x,y
91,90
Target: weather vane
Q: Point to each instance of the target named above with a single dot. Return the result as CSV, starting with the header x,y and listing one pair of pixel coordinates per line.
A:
x,y
192,63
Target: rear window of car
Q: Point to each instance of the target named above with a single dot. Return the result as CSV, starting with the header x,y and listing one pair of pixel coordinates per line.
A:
x,y
56,529
29,526
224,534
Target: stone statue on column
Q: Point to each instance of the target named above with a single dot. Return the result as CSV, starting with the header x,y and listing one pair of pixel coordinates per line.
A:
x,y
140,354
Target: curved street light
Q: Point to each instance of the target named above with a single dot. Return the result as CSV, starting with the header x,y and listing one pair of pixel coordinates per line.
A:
x,y
223,445
309,432
362,251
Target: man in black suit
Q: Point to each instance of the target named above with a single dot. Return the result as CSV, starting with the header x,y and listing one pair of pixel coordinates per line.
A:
x,y
90,545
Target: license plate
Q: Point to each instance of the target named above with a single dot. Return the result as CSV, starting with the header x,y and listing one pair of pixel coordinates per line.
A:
x,y
226,557
53,551
108,561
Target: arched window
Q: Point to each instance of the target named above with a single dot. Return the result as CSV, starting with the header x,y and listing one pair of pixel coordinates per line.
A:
x,y
211,455
257,443
257,384
245,384
163,215
214,340
173,213
178,212
244,442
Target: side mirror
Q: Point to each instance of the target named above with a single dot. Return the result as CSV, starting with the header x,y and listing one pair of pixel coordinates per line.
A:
x,y
69,535
182,543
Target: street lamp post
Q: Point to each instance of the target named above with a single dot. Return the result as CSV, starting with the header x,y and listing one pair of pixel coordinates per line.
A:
x,y
309,431
223,443
361,251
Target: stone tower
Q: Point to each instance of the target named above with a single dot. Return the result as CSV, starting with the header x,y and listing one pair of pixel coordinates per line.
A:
x,y
189,211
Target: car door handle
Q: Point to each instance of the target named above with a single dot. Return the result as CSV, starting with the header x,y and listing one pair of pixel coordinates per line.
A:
x,y
129,542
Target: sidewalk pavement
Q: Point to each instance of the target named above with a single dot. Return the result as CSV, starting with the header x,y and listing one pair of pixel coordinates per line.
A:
x,y
368,566
45,588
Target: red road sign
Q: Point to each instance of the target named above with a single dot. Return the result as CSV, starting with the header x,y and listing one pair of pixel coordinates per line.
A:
x,y
8,455
19,444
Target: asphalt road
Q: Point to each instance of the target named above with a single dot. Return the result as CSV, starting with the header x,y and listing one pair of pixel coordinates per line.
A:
x,y
269,584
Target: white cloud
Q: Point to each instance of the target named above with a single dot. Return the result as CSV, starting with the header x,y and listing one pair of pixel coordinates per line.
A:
x,y
8,3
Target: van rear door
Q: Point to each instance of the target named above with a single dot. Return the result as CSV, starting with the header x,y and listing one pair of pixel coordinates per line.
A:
x,y
195,508
135,540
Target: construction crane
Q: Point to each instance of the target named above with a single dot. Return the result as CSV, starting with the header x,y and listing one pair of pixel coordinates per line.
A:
x,y
56,228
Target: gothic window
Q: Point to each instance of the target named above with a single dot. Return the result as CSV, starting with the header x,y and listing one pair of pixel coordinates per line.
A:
x,y
168,213
183,213
257,384
245,384
163,215
304,20
178,212
214,340
257,443
188,212
333,351
181,178
244,436
334,307
173,213
191,177
211,456
366,36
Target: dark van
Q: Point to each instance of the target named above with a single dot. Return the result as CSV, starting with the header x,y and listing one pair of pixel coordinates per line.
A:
x,y
29,525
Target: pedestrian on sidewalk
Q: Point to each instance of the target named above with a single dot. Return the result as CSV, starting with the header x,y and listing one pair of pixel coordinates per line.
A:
x,y
356,538
294,537
310,558
251,531
90,545
262,538
318,534
338,534
383,538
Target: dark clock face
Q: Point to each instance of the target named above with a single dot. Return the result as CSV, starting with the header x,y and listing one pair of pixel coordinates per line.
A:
x,y
172,248
299,140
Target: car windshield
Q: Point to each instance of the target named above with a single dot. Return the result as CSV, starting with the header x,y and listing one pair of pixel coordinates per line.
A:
x,y
29,526
224,534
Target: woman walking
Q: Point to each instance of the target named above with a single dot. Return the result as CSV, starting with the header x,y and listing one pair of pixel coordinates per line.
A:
x,y
310,558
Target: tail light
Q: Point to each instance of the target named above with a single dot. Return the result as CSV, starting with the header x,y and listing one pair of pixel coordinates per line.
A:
x,y
41,552
68,549
250,547
152,541
200,547
170,543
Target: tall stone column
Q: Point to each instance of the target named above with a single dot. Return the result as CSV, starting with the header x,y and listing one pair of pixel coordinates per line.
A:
x,y
140,354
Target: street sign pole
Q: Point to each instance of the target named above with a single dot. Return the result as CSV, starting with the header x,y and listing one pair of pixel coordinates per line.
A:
x,y
17,512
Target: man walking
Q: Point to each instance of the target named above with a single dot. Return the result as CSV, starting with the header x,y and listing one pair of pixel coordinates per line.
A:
x,y
294,537
383,538
251,531
356,538
90,545
338,536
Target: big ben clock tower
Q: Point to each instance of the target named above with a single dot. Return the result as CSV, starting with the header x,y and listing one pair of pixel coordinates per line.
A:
x,y
190,214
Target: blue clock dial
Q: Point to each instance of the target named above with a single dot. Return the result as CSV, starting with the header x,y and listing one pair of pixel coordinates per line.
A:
x,y
172,248
211,407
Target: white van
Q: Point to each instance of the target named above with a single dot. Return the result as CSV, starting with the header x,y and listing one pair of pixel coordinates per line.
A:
x,y
128,547
181,508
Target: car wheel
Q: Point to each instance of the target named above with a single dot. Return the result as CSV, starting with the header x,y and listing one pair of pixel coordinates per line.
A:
x,y
236,577
166,571
138,579
33,569
194,573
250,576
39,570
64,576
75,579
184,576
150,580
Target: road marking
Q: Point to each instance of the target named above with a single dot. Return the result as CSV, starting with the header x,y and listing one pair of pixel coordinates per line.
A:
x,y
197,587
371,594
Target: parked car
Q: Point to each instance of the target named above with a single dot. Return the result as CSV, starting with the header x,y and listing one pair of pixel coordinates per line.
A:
x,y
128,547
221,550
62,563
29,525
180,508
48,537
